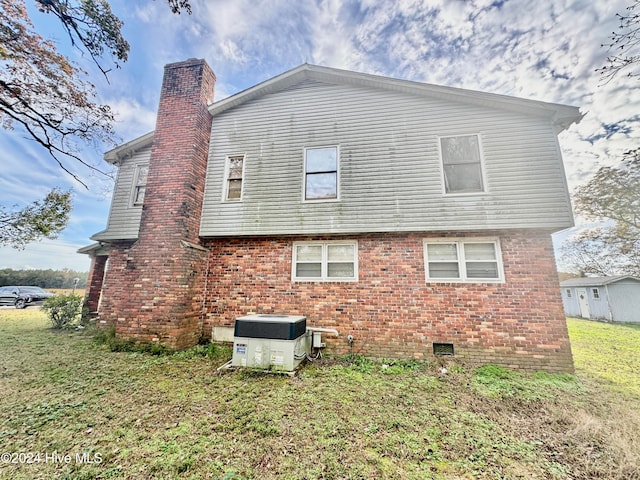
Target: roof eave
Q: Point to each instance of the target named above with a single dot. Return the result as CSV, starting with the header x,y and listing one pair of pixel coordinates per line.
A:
x,y
116,155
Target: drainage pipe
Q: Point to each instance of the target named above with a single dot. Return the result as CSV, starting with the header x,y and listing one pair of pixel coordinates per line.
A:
x,y
324,330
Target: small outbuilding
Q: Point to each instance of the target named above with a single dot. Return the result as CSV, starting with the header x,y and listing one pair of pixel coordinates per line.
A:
x,y
614,299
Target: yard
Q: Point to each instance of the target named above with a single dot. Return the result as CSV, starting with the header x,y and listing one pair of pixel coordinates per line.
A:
x,y
71,408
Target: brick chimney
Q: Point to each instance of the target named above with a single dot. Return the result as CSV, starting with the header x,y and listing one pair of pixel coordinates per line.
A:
x,y
157,278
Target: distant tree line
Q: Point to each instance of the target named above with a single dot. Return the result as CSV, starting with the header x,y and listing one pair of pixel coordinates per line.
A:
x,y
43,278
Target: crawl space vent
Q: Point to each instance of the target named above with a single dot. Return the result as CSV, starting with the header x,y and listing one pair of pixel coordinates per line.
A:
x,y
443,348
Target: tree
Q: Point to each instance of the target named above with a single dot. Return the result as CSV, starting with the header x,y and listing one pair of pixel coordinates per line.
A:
x,y
611,196
45,93
42,219
624,45
48,97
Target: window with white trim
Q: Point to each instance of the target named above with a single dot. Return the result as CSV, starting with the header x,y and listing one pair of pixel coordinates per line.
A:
x,y
234,173
595,293
331,261
463,260
568,292
461,164
140,185
321,173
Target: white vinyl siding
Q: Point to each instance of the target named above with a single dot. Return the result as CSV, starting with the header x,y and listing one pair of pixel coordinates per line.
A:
x,y
390,170
334,261
463,260
124,217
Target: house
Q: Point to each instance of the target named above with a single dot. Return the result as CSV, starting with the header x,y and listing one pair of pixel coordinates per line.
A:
x,y
614,299
415,218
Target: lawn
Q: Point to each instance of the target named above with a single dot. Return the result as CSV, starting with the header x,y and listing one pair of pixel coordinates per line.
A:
x,y
71,408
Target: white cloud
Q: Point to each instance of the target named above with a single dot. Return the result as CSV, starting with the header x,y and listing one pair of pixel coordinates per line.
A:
x,y
132,118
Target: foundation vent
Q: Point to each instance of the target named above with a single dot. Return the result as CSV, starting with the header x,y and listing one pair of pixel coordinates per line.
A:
x,y
442,349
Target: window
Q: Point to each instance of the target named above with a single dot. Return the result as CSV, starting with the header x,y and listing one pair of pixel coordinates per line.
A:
x,y
234,172
325,261
461,164
468,260
140,185
568,292
321,173
596,293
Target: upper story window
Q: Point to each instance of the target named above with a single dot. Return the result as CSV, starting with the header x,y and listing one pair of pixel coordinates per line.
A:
x,y
140,185
321,173
335,261
463,260
234,171
462,164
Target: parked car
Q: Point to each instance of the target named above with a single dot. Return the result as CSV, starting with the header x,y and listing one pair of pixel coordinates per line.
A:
x,y
22,297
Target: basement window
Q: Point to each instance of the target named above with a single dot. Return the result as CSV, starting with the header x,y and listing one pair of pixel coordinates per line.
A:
x,y
140,185
463,260
234,173
321,173
335,261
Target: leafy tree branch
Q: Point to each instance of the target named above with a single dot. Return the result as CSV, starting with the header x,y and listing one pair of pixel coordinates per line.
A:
x,y
45,94
41,219
611,196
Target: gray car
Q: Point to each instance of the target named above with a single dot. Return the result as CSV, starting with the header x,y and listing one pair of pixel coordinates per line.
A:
x,y
22,297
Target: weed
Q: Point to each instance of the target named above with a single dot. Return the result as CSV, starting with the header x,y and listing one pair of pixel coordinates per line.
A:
x,y
213,351
391,367
499,382
107,336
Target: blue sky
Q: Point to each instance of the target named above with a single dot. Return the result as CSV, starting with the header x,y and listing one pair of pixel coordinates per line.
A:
x,y
539,50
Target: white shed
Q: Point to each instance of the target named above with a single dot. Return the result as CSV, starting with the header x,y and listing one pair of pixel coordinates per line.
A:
x,y
614,299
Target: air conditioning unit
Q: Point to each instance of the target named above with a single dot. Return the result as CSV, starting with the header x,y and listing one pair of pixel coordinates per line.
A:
x,y
276,342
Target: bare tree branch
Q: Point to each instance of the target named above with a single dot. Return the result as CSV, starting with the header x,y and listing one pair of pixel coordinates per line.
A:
x,y
623,45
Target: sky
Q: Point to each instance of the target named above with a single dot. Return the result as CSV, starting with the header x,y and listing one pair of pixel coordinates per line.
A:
x,y
546,50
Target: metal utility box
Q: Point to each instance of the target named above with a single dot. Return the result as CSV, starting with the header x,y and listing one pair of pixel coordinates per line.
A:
x,y
270,341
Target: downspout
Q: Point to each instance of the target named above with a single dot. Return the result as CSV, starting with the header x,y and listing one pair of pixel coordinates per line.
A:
x,y
204,292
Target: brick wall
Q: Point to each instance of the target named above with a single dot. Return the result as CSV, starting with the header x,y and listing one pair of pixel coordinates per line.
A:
x,y
392,311
94,282
152,289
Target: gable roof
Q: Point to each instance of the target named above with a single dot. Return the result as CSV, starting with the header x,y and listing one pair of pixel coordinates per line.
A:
x,y
562,116
595,281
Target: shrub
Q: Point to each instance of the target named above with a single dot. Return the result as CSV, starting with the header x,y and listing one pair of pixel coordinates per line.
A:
x,y
63,310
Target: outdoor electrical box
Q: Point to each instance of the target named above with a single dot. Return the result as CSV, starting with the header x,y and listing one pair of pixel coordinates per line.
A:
x,y
276,342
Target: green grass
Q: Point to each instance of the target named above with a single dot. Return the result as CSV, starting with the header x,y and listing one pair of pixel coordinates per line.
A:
x,y
609,353
174,416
